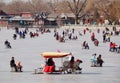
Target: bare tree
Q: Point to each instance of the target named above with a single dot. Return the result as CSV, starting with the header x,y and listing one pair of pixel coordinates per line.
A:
x,y
109,8
38,5
33,6
76,7
53,5
61,7
2,5
16,6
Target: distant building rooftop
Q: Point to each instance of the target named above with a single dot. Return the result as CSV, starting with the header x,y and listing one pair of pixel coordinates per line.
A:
x,y
2,13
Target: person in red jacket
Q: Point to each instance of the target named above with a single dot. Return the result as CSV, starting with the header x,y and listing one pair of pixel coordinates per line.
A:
x,y
114,46
93,37
84,31
96,42
50,66
111,46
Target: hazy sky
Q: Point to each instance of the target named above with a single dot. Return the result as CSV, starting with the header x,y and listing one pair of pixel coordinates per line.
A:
x,y
10,0
27,0
7,0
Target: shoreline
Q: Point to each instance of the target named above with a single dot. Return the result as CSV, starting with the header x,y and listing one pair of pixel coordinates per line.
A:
x,y
77,27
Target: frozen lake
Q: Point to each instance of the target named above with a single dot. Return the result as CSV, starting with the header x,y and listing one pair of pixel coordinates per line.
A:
x,y
28,51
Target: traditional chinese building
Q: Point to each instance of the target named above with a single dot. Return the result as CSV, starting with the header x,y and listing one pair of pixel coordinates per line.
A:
x,y
3,19
23,19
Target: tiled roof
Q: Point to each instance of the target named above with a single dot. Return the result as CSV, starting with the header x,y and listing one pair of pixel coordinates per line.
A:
x,y
2,13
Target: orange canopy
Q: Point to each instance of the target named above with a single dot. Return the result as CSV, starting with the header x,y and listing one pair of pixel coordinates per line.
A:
x,y
54,54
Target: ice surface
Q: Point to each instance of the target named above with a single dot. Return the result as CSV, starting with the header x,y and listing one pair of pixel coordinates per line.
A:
x,y
28,51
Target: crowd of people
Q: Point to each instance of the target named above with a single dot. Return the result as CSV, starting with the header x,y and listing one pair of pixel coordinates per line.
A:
x,y
68,34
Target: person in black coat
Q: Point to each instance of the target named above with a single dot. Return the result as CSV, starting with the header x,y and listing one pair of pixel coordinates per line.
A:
x,y
12,64
14,36
99,60
7,43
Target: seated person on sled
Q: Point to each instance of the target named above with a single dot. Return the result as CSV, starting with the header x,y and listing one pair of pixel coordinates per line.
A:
x,y
85,45
96,42
99,61
50,66
19,66
74,65
96,62
7,44
71,65
93,60
14,67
